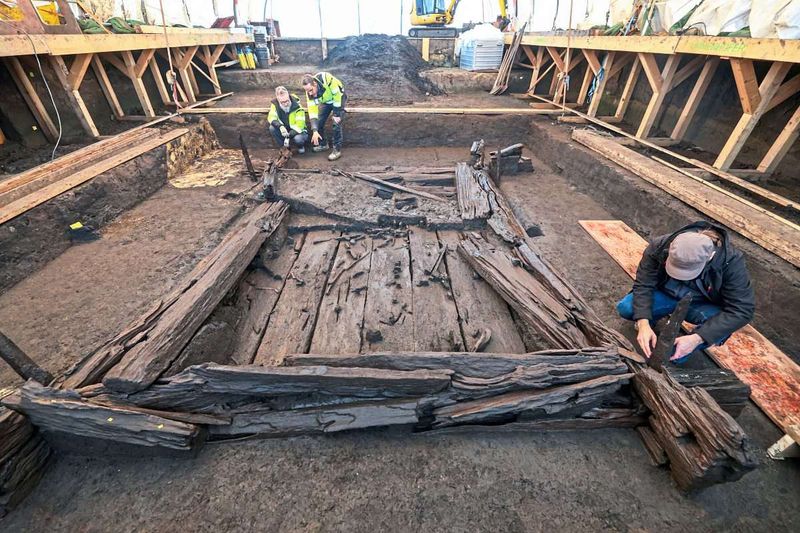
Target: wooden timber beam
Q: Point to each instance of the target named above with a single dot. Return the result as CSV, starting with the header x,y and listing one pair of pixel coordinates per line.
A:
x,y
591,58
536,75
588,76
620,64
686,71
746,84
782,144
627,91
183,66
699,90
132,67
594,105
661,83
77,70
766,90
557,58
73,95
786,91
163,92
142,62
105,84
31,98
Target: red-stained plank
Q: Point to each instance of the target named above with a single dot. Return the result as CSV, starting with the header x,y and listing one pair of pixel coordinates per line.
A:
x,y
774,379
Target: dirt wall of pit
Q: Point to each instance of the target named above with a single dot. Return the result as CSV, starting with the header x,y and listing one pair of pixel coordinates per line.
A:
x,y
34,238
309,51
651,212
386,129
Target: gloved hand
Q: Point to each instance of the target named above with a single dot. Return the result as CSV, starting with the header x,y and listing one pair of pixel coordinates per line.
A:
x,y
316,138
284,132
286,142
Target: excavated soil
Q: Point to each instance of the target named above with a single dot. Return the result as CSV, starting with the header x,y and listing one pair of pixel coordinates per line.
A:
x,y
385,67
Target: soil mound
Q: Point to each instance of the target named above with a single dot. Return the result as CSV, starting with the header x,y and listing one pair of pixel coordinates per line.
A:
x,y
380,67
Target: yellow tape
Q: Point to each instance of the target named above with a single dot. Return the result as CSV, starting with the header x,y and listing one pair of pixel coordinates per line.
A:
x,y
76,225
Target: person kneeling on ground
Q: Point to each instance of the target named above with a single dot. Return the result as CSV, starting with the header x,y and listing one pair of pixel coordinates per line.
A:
x,y
325,96
287,120
700,261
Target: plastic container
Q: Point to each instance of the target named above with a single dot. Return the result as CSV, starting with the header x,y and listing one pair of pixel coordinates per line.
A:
x,y
481,54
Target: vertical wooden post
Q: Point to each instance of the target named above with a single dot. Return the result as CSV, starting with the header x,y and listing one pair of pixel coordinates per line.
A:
x,y
105,84
766,90
31,98
210,60
183,65
135,69
537,68
782,144
698,91
73,95
661,83
426,48
594,105
627,92
588,76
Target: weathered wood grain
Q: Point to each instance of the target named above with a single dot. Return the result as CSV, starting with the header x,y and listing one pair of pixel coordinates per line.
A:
x,y
473,201
436,325
66,412
480,308
703,443
294,317
21,471
388,316
150,345
341,313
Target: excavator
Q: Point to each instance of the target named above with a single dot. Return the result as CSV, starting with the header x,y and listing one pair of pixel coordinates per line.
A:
x,y
429,17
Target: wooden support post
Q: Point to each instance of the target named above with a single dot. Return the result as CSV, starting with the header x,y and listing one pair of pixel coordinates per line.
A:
x,y
105,84
588,76
591,58
183,66
782,144
787,90
538,63
746,84
77,71
210,59
766,90
627,92
601,86
661,83
163,92
699,90
135,69
426,48
620,63
686,71
74,97
31,98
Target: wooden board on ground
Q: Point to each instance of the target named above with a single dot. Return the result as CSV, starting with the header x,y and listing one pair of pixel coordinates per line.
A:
x,y
774,379
388,316
341,313
480,308
435,317
294,317
761,226
261,288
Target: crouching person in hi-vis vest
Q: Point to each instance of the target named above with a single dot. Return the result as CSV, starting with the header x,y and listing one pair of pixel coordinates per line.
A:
x,y
287,120
325,97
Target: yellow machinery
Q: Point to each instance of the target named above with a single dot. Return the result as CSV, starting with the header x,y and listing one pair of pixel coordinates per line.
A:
x,y
431,16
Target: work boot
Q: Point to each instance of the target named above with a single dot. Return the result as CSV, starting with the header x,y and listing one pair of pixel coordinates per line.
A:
x,y
320,148
336,154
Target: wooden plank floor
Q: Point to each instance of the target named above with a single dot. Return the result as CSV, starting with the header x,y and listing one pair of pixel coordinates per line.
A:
x,y
774,379
353,293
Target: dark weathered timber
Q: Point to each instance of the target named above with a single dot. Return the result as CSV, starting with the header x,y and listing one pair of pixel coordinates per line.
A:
x,y
435,316
704,444
248,163
658,457
293,319
722,384
159,341
15,430
377,182
64,411
320,420
480,309
259,290
21,363
21,471
470,364
665,344
525,294
341,313
547,402
388,316
472,199
271,381
505,224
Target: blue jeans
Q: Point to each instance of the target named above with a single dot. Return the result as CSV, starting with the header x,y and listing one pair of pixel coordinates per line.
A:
x,y
325,111
298,139
664,304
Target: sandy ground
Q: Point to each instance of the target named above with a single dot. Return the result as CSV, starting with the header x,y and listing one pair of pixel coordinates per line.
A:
x,y
375,480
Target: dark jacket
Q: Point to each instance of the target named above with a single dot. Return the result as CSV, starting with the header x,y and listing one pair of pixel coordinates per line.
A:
x,y
725,282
